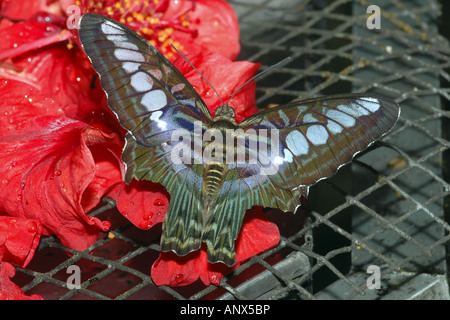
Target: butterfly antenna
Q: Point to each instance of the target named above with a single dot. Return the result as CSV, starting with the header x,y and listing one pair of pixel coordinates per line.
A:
x,y
284,61
198,72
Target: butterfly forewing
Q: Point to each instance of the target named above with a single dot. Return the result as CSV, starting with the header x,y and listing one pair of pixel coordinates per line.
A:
x,y
318,136
148,95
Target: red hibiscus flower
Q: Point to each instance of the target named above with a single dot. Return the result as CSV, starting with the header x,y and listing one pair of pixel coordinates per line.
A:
x,y
47,165
191,26
19,239
9,290
226,77
257,235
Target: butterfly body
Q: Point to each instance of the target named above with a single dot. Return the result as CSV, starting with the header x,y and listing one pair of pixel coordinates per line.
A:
x,y
214,168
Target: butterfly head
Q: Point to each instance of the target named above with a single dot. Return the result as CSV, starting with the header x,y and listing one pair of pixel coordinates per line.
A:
x,y
225,112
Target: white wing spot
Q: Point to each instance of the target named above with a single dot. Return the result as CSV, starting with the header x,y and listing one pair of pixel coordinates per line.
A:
x,y
125,54
130,67
111,29
117,37
140,82
126,45
317,134
283,117
370,103
288,155
355,110
334,127
155,117
297,143
309,118
340,117
122,41
154,100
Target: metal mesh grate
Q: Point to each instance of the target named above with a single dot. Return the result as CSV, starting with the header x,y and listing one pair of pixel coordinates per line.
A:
x,y
388,209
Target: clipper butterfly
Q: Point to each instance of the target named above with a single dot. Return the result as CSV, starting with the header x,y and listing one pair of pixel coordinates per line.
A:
x,y
208,199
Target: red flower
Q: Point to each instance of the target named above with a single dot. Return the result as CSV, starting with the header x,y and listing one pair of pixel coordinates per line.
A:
x,y
226,77
191,26
47,163
61,74
19,239
257,235
216,25
26,10
9,290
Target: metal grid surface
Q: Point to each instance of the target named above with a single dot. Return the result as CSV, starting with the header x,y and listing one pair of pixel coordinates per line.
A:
x,y
387,209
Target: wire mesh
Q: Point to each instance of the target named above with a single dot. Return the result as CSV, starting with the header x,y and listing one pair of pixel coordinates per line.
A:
x,y
388,209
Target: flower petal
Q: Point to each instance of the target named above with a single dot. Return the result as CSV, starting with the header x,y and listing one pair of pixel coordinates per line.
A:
x,y
46,167
19,239
9,290
21,101
216,24
257,235
144,203
226,77
26,9
191,26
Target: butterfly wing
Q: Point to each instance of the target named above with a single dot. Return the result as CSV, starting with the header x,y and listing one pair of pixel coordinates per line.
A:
x,y
154,102
293,147
315,138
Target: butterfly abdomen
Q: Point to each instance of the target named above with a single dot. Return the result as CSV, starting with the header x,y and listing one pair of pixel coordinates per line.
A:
x,y
213,178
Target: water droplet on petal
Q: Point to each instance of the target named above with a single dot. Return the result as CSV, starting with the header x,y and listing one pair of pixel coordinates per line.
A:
x,y
19,197
5,182
145,225
57,172
179,278
215,280
215,23
159,202
148,215
209,93
32,226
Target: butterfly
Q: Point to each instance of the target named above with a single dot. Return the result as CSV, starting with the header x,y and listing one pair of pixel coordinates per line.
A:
x,y
208,199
